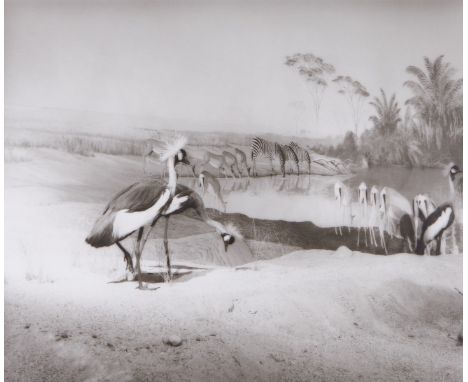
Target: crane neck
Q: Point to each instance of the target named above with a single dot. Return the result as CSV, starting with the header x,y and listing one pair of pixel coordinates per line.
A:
x,y
172,183
201,211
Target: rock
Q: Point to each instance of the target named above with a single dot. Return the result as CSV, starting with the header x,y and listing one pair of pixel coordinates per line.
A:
x,y
62,336
343,252
172,340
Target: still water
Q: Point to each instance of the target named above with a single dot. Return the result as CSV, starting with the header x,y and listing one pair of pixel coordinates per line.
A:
x,y
310,198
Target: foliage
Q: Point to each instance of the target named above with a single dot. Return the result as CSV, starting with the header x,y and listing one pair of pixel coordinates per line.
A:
x,y
354,93
387,114
437,102
315,71
401,147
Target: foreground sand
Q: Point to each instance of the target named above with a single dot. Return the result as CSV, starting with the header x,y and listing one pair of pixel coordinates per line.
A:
x,y
308,315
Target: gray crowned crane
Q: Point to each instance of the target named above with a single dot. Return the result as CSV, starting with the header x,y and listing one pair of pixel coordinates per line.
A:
x,y
185,198
434,227
142,204
153,146
138,205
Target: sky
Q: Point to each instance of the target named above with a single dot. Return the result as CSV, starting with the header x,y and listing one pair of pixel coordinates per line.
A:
x,y
218,65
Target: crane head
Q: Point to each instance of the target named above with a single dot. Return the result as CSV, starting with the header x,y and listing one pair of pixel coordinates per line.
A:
x,y
181,157
228,239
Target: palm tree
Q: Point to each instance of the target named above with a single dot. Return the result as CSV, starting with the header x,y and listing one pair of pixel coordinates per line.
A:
x,y
387,114
437,100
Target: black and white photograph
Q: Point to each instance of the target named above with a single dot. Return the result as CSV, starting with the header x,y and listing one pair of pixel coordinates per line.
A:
x,y
233,190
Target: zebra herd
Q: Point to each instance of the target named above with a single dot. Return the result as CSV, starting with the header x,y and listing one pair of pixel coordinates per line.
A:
x,y
234,164
292,154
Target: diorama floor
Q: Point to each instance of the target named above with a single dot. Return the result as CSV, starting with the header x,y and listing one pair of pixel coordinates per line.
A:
x,y
300,315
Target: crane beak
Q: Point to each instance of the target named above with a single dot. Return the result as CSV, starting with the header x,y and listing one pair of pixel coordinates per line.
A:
x,y
226,246
186,161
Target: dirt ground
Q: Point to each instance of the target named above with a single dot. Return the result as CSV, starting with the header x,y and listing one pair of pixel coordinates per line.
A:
x,y
308,315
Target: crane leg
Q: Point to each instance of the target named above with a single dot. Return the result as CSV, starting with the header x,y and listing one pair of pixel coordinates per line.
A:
x,y
127,257
145,238
138,257
166,249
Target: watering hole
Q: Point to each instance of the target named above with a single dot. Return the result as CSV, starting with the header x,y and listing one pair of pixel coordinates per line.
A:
x,y
310,197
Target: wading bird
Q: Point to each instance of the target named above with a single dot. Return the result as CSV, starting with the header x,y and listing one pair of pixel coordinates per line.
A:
x,y
138,206
364,218
344,198
456,197
376,217
393,206
434,227
455,182
208,181
407,232
423,206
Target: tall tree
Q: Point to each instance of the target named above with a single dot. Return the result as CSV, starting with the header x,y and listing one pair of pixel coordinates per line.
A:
x,y
437,101
354,93
387,114
315,71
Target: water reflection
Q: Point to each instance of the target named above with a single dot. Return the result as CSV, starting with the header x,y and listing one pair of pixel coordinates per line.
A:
x,y
310,197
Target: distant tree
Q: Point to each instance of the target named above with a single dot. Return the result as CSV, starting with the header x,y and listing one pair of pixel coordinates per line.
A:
x,y
349,146
437,101
299,108
315,71
354,93
387,114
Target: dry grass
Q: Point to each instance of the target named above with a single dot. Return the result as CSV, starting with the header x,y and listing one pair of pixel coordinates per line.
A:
x,y
81,144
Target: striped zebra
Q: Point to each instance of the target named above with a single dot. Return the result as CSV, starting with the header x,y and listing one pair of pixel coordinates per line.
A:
x,y
290,156
262,147
302,154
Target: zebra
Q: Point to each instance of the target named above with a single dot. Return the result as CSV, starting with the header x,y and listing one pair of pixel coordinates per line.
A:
x,y
290,155
302,154
262,147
